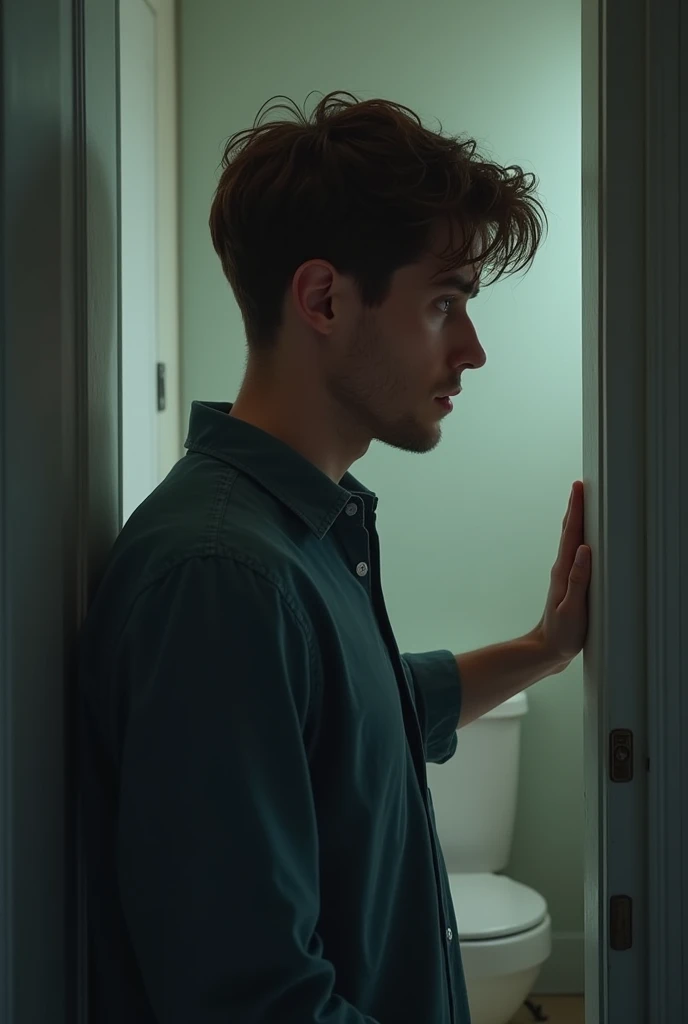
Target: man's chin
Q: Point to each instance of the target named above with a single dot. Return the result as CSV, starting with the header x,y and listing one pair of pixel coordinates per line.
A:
x,y
411,436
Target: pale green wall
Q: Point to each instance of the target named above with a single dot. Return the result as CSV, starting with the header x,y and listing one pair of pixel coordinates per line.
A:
x,y
469,531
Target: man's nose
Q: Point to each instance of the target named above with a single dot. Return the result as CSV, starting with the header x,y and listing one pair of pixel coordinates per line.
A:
x,y
469,352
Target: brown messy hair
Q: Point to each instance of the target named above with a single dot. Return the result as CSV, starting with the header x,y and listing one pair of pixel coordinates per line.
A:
x,y
360,184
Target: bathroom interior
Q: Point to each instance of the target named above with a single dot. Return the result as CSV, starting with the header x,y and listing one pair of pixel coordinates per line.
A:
x,y
469,531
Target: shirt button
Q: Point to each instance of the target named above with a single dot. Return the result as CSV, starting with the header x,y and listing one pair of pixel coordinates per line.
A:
x,y
351,509
362,569
450,934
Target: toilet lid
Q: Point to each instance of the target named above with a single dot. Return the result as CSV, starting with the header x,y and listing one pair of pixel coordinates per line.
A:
x,y
493,906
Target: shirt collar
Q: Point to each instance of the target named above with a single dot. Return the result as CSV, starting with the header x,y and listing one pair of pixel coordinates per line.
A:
x,y
277,467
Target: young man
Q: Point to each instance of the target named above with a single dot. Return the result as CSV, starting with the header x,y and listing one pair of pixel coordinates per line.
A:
x,y
260,844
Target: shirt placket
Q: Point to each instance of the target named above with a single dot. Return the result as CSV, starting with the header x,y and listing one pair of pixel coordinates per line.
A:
x,y
363,546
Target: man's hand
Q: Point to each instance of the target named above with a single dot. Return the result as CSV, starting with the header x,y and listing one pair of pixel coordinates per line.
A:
x,y
493,674
564,624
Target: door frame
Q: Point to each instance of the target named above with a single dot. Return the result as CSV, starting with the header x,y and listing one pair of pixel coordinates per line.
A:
x,y
667,507
634,174
59,467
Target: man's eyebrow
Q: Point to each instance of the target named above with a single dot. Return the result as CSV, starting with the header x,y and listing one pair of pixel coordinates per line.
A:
x,y
470,288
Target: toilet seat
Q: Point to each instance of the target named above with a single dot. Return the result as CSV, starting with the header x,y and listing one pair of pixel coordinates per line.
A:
x,y
499,958
504,926
494,906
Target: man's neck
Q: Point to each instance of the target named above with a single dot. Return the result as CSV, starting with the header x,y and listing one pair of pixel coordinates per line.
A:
x,y
306,422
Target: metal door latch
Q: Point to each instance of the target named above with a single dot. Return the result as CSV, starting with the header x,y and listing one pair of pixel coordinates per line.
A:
x,y
621,755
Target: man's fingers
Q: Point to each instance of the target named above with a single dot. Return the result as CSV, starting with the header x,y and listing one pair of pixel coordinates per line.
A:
x,y
568,510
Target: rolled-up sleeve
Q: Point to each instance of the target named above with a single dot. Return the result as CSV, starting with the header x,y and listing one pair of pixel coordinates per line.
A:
x,y
217,843
436,683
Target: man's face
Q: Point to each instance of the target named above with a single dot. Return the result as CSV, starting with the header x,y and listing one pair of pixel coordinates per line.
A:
x,y
394,363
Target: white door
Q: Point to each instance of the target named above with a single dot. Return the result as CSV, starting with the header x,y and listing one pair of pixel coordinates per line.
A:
x,y
139,255
636,757
151,441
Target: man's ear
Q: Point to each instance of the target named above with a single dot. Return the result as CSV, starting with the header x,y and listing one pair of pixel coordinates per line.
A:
x,y
312,294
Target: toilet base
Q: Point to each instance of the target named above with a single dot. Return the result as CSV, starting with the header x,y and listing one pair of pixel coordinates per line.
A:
x,y
497,1000
500,973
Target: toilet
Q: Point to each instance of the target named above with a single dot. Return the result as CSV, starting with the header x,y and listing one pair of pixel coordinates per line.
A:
x,y
505,931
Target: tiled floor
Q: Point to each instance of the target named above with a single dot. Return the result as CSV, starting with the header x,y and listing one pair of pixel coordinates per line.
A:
x,y
557,1010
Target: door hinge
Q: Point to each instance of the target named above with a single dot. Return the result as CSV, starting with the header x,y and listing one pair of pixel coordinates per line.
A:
x,y
162,398
621,755
620,923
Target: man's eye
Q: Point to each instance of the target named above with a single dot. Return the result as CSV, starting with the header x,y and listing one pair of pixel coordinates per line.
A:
x,y
446,303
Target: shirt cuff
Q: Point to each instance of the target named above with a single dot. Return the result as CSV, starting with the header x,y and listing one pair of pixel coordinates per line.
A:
x,y
437,686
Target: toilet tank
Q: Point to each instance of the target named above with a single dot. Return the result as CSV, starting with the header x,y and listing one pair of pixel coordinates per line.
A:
x,y
474,793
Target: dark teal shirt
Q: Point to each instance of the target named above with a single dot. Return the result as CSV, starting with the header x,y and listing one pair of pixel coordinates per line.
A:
x,y
260,843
